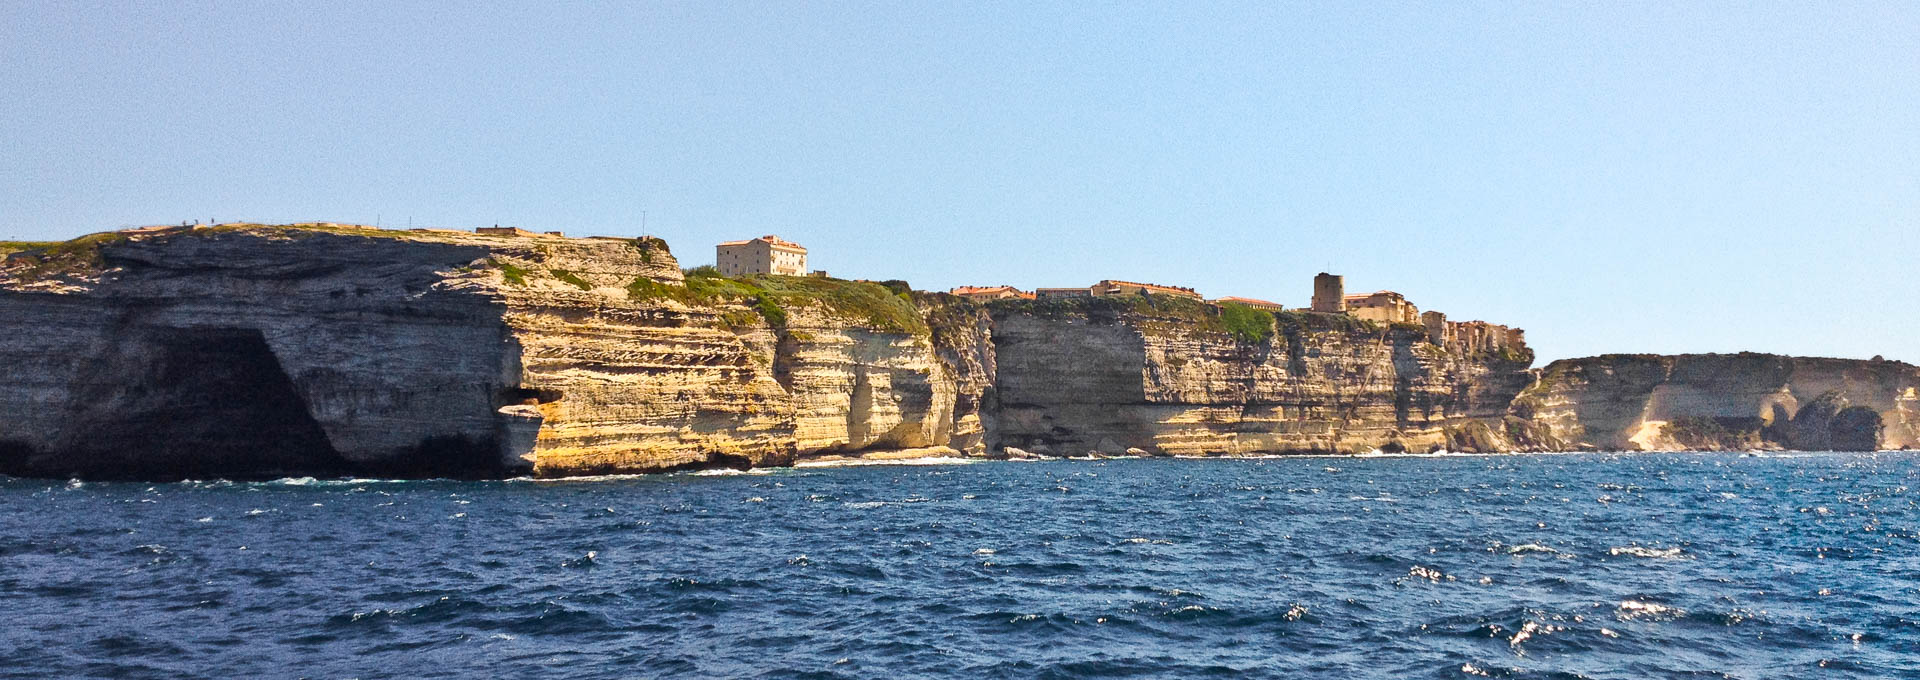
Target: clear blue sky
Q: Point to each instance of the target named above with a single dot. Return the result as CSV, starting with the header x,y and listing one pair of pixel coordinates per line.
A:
x,y
1612,176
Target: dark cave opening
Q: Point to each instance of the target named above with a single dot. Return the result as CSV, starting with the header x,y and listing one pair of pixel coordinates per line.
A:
x,y
186,403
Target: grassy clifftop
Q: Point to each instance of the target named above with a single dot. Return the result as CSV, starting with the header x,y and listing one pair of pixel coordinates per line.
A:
x,y
772,297
11,247
1171,314
32,261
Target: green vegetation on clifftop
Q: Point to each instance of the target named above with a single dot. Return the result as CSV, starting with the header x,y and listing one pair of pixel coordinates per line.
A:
x,y
647,245
10,247
774,296
1245,323
31,261
868,303
1170,314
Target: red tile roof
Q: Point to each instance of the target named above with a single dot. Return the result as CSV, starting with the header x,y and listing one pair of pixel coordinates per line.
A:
x,y
775,241
1249,301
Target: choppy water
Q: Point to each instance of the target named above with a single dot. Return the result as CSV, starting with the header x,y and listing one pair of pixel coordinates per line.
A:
x,y
1598,566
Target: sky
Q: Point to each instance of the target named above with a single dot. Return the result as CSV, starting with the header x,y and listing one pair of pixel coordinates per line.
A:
x,y
1612,177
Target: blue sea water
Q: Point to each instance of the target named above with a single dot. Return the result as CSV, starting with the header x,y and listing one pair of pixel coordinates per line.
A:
x,y
1563,566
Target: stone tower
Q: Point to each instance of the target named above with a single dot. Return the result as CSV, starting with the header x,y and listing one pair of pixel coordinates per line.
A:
x,y
1329,293
1436,324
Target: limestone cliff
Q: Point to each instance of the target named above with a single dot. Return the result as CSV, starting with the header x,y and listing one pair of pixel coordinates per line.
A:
x,y
1725,401
260,351
1179,377
251,351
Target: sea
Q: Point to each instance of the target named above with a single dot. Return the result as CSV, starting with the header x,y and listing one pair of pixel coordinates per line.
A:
x,y
1644,565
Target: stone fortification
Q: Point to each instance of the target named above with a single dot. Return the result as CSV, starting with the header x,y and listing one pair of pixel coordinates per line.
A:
x,y
1329,293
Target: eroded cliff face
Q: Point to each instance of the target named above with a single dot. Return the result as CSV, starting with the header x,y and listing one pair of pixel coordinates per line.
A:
x,y
234,353
1725,401
1164,378
253,351
248,351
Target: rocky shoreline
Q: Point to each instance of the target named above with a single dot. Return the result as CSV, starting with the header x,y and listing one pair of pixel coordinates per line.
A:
x,y
249,351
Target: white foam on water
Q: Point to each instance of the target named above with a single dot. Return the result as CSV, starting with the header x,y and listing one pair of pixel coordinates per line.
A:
x,y
1526,631
1527,548
861,462
1639,551
583,478
311,481
1630,610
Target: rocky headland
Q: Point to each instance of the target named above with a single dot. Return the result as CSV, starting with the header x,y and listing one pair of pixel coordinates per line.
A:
x,y
1725,402
249,351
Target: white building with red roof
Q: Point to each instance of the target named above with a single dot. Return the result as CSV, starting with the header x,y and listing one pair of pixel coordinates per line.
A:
x,y
765,255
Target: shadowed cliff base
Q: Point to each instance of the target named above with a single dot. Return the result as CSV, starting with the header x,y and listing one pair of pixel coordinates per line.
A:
x,y
168,403
185,403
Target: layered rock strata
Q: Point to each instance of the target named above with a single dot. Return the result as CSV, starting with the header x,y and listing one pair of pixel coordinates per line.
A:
x,y
1725,401
255,351
1169,377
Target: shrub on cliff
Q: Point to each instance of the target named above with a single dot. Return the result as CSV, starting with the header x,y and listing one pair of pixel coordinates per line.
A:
x,y
571,278
1246,323
706,284
644,288
648,245
769,310
509,273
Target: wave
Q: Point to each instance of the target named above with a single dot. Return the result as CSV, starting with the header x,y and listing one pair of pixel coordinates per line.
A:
x,y
1639,551
1526,548
864,462
875,504
1640,610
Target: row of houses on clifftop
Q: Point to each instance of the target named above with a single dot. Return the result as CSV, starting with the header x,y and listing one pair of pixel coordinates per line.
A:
x,y
1329,297
772,255
1105,288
